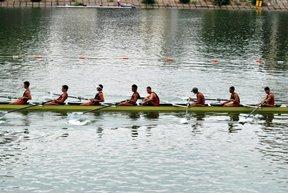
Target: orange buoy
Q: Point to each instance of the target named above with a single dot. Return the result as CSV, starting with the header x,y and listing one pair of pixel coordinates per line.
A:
x,y
37,56
168,59
82,57
258,61
215,61
125,58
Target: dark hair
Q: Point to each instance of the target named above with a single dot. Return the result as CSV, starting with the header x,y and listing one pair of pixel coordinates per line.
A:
x,y
27,83
149,87
101,86
266,88
232,88
195,90
134,86
65,87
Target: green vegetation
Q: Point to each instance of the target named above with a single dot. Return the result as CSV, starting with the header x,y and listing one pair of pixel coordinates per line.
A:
x,y
185,1
79,4
221,2
194,2
148,2
253,2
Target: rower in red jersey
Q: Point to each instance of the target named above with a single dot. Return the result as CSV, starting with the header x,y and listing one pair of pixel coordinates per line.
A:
x,y
26,95
61,99
98,99
269,100
200,99
133,100
152,99
234,99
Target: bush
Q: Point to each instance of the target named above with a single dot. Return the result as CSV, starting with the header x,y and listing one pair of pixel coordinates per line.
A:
x,y
221,2
35,0
148,2
185,1
253,2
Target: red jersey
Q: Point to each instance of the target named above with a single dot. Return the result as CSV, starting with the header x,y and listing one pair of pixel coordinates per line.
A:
x,y
155,99
99,97
270,100
24,99
235,97
62,98
134,98
200,99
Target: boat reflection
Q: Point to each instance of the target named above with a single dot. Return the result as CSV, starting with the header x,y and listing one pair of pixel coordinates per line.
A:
x,y
151,115
134,131
233,123
198,123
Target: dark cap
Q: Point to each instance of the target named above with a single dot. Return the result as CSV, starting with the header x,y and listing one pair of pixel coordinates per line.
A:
x,y
194,90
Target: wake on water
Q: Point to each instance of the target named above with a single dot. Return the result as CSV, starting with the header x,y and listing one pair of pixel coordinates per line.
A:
x,y
77,119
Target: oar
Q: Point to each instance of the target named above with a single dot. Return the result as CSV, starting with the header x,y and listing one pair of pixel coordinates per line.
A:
x,y
106,106
20,109
98,109
175,105
252,112
74,97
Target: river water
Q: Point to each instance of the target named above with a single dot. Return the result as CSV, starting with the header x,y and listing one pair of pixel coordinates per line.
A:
x,y
143,152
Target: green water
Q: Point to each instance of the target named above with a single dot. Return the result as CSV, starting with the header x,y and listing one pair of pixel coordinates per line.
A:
x,y
113,152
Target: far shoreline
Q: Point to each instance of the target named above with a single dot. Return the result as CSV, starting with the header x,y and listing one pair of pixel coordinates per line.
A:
x,y
132,4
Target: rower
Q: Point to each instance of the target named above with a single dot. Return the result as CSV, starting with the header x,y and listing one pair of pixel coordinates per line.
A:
x,y
133,100
98,99
61,99
234,99
269,100
200,99
152,99
26,95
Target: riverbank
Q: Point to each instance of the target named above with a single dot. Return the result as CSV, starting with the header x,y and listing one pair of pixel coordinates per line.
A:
x,y
195,4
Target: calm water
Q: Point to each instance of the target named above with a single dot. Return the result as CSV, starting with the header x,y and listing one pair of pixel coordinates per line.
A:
x,y
113,152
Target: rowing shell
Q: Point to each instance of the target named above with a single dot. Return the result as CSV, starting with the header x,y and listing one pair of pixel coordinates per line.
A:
x,y
98,7
164,108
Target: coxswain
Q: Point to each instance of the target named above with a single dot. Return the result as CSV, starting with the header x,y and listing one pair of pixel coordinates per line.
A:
x,y
269,100
234,99
133,100
26,95
98,99
152,99
61,99
200,99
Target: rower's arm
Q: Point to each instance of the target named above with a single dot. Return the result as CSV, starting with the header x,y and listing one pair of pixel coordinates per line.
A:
x,y
147,99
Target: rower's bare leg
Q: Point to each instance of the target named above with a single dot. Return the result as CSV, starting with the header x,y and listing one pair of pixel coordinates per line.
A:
x,y
229,104
125,104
